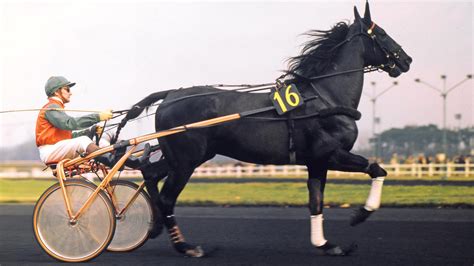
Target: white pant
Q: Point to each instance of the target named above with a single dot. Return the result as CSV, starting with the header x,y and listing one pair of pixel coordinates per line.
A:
x,y
69,148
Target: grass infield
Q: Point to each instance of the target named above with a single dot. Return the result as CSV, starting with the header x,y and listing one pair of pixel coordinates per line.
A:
x,y
283,194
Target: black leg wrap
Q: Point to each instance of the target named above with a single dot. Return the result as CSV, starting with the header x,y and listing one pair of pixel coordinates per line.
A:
x,y
170,222
359,216
161,222
330,249
375,170
181,246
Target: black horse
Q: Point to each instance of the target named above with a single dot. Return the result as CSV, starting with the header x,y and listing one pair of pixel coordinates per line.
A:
x,y
321,143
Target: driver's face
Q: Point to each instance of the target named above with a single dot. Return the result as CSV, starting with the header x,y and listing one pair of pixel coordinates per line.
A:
x,y
64,93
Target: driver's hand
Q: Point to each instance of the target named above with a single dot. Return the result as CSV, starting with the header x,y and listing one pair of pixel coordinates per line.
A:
x,y
99,130
105,115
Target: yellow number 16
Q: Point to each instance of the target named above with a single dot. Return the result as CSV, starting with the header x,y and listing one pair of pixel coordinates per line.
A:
x,y
291,99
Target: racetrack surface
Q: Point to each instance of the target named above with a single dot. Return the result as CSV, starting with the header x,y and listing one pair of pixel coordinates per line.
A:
x,y
276,236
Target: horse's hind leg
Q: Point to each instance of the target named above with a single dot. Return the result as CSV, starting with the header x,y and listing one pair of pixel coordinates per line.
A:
x,y
342,160
173,186
152,174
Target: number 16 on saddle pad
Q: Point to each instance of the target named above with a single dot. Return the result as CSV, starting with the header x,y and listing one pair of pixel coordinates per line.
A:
x,y
286,99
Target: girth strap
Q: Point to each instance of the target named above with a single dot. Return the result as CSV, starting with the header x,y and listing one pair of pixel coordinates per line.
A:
x,y
291,142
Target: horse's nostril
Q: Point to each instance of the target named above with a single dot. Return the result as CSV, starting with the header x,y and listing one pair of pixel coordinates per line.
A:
x,y
409,60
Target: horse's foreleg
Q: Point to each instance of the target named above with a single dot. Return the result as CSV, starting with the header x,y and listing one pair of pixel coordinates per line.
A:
x,y
316,190
316,184
173,186
342,160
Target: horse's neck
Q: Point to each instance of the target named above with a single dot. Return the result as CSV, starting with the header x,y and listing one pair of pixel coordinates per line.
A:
x,y
344,89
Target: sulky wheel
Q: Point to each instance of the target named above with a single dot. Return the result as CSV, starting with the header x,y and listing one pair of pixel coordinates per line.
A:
x,y
134,225
73,241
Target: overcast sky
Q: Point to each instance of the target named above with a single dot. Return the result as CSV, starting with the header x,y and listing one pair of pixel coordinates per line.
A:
x,y
119,52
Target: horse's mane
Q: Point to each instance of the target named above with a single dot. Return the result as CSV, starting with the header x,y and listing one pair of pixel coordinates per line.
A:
x,y
318,53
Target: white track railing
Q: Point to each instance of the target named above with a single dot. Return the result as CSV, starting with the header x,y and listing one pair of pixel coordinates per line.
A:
x,y
35,170
417,170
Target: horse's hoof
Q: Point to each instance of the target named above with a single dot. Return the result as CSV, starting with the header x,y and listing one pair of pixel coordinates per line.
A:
x,y
189,250
196,252
329,249
156,230
360,216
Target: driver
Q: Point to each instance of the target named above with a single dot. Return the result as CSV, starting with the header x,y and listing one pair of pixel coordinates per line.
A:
x,y
54,137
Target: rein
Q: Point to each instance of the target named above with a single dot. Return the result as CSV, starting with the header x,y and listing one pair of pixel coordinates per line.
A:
x,y
252,88
367,69
258,87
51,109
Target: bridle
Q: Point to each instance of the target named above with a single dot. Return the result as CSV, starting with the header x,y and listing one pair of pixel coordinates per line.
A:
x,y
390,55
369,33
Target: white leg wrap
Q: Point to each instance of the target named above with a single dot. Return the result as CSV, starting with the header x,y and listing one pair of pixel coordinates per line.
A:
x,y
317,233
375,194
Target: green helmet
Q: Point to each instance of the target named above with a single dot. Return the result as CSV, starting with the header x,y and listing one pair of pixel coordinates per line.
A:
x,y
54,83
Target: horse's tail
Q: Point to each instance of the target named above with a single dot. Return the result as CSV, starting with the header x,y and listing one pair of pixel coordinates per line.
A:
x,y
138,108
340,110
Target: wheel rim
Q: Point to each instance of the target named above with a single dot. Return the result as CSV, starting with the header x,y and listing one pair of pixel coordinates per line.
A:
x,y
77,241
133,227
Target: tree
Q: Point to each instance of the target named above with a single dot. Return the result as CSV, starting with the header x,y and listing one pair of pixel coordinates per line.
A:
x,y
427,140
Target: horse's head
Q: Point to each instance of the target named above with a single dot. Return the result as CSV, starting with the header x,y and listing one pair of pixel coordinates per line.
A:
x,y
380,48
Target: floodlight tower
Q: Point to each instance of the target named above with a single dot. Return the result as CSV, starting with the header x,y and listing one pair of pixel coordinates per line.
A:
x,y
373,98
444,94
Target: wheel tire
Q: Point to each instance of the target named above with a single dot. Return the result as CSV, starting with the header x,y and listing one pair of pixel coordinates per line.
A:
x,y
134,226
79,242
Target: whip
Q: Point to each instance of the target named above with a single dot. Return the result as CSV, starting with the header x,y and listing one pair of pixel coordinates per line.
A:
x,y
53,109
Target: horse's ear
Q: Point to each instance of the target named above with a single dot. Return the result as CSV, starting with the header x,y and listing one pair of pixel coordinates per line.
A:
x,y
367,17
356,14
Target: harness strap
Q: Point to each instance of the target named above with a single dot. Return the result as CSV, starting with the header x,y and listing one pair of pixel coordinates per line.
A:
x,y
338,110
319,95
303,78
291,142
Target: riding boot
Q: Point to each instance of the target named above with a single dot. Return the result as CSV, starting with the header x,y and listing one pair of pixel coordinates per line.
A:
x,y
137,162
107,159
110,160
